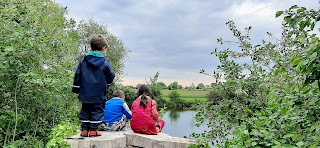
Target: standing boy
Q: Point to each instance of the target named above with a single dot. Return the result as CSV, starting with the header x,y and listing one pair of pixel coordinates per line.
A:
x,y
117,112
92,77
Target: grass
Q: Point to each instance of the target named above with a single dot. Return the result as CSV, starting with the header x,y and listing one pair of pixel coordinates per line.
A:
x,y
189,100
189,96
184,93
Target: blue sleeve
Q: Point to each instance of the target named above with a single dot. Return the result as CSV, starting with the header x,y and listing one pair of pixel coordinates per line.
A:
x,y
76,81
109,72
126,111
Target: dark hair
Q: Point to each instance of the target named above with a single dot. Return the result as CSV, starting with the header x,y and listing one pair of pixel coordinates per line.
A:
x,y
97,42
144,91
118,93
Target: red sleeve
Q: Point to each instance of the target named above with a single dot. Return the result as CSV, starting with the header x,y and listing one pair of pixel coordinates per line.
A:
x,y
154,112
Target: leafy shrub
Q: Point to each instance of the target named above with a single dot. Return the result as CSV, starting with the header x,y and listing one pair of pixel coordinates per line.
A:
x,y
277,103
214,97
174,96
131,95
37,69
60,132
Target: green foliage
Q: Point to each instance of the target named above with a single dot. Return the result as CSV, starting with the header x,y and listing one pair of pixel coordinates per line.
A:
x,y
277,103
36,72
162,85
60,132
162,111
187,98
174,96
201,86
156,90
116,51
215,96
185,93
131,95
173,86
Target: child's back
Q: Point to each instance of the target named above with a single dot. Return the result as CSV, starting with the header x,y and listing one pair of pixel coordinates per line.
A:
x,y
96,74
117,112
93,75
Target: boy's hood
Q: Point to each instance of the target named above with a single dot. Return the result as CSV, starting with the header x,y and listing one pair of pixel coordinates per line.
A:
x,y
95,59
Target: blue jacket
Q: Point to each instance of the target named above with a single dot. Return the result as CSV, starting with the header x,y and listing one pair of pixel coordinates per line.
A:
x,y
92,77
114,110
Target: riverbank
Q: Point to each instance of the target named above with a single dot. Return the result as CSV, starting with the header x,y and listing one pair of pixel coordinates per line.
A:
x,y
187,98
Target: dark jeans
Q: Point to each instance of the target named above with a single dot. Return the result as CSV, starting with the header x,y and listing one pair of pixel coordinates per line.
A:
x,y
91,115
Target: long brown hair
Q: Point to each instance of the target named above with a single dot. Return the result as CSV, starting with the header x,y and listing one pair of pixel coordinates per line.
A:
x,y
144,91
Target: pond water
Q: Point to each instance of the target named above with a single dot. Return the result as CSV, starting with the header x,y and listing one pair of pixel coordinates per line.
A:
x,y
180,123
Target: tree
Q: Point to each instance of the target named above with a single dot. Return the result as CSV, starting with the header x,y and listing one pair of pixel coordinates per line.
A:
x,y
200,86
174,96
173,85
156,89
271,106
39,51
162,85
192,86
36,71
116,51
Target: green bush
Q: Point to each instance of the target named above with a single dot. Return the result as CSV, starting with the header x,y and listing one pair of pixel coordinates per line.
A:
x,y
174,96
37,68
60,132
214,97
277,104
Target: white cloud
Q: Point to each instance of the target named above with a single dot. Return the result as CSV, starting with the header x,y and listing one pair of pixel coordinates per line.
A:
x,y
176,37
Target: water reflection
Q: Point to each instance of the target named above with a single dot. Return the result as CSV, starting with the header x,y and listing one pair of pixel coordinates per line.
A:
x,y
174,115
180,123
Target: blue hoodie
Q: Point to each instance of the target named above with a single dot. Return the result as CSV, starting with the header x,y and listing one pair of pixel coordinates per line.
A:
x,y
114,110
92,77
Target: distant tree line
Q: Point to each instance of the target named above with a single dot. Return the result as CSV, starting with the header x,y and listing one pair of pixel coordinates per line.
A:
x,y
175,85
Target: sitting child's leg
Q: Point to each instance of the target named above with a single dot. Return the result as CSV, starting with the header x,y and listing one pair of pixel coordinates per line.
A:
x,y
160,125
121,124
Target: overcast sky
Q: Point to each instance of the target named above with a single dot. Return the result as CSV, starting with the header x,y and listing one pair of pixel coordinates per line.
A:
x,y
176,37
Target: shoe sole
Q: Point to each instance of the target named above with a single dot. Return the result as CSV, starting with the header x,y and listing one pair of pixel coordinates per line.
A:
x,y
94,135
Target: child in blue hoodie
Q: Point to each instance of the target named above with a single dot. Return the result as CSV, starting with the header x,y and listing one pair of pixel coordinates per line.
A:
x,y
92,77
117,113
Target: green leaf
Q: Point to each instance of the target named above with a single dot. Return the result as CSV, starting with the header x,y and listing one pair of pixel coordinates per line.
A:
x,y
260,69
313,46
302,25
308,22
293,7
296,61
246,132
274,115
249,111
300,143
305,62
278,13
254,143
301,9
288,146
312,26
9,49
288,136
313,56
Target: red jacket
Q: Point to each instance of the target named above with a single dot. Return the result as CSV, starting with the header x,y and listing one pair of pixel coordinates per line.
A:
x,y
144,119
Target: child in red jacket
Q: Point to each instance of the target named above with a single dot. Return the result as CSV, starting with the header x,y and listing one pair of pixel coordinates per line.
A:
x,y
145,118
